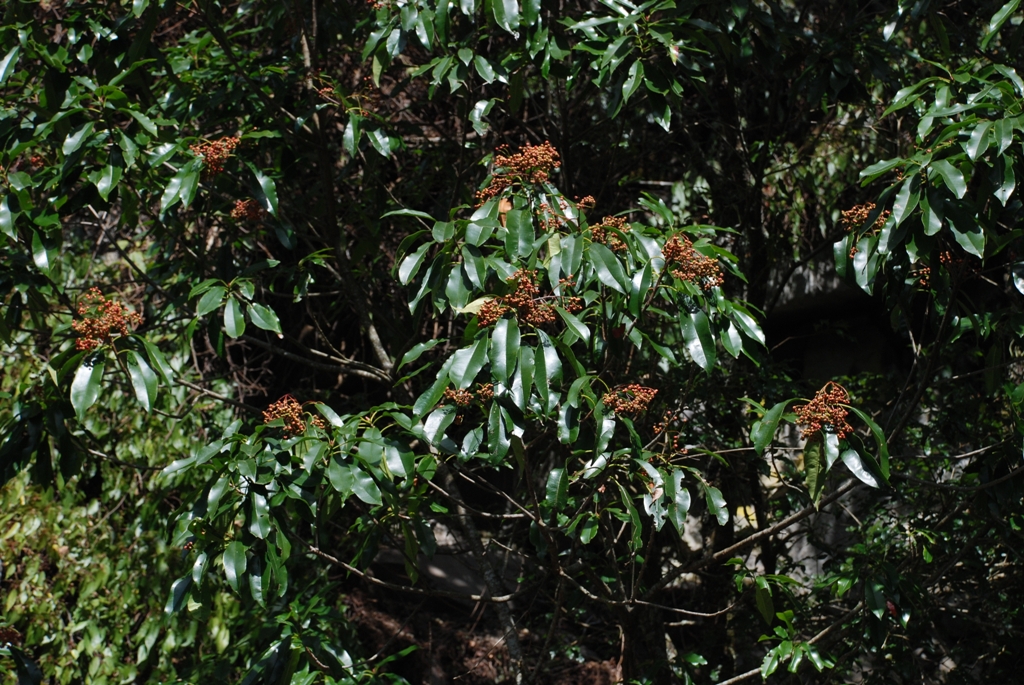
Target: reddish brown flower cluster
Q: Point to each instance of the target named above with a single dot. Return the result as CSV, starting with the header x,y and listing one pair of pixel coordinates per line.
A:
x,y
601,234
527,304
249,211
289,409
856,216
327,93
960,268
923,276
460,398
825,412
631,399
9,635
101,319
692,266
485,392
215,153
587,203
531,165
550,220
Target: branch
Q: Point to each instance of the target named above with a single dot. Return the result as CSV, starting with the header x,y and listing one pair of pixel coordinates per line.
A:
x,y
344,365
227,400
728,552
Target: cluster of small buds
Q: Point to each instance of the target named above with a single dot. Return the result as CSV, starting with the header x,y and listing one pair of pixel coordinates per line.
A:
x,y
36,161
460,398
667,419
249,211
692,266
632,399
295,421
958,266
9,635
923,276
327,93
570,303
215,153
533,164
587,203
549,220
485,392
491,311
101,319
857,216
825,412
601,234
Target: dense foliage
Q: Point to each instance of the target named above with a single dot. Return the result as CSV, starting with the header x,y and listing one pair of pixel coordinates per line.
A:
x,y
511,341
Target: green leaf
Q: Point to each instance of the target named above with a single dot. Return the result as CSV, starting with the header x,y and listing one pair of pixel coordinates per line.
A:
x,y
340,476
763,431
504,349
179,593
966,229
636,539
763,599
979,140
932,206
574,324
697,336
76,139
906,199
268,189
879,168
1004,133
1002,193
182,186
259,524
506,14
557,489
211,300
234,563
417,350
746,322
716,504
547,371
85,388
519,234
144,380
234,322
815,469
380,141
608,268
633,80
364,487
951,176
998,19
7,219
678,500
831,441
265,318
40,255
411,264
856,466
156,359
437,422
145,121
8,63
880,442
256,581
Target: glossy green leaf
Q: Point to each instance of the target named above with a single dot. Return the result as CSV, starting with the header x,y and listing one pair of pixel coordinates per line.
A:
x,y
951,176
85,388
699,341
716,504
8,64
678,498
609,269
234,563
259,521
364,487
856,466
234,322
831,444
268,189
40,254
878,169
763,431
556,492
411,264
380,141
506,14
763,599
979,140
519,234
906,199
179,593
578,328
144,380
1002,192
504,349
77,138
880,442
211,300
7,219
157,361
634,78
636,537
932,206
264,317
1003,131
814,468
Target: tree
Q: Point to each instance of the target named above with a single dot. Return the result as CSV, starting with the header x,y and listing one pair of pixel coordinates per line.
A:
x,y
293,294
